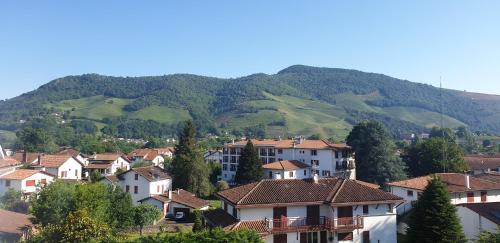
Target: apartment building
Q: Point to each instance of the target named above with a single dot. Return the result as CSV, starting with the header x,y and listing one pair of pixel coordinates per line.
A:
x,y
309,210
326,159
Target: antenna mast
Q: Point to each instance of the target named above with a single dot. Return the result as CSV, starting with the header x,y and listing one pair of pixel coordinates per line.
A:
x,y
442,124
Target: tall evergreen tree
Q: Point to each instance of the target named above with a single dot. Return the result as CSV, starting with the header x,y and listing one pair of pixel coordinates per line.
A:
x,y
189,170
434,218
250,166
375,153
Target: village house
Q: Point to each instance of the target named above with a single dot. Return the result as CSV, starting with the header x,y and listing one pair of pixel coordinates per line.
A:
x,y
479,164
25,181
213,155
287,169
478,217
108,164
25,157
326,159
463,188
179,200
309,210
62,166
168,152
142,182
75,154
15,227
147,155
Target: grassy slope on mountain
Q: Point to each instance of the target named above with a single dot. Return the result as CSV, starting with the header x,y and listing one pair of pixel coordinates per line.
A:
x,y
297,100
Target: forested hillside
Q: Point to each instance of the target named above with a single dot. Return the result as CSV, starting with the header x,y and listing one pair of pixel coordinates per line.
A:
x,y
298,100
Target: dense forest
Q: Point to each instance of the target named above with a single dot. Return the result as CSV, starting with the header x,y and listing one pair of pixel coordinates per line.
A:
x,y
212,102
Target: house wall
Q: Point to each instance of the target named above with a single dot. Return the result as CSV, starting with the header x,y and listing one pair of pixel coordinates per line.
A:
x,y
165,184
403,192
14,184
71,166
160,205
20,185
473,223
145,187
119,163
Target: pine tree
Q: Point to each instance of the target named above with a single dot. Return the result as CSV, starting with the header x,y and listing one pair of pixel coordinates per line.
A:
x,y
434,218
250,166
189,170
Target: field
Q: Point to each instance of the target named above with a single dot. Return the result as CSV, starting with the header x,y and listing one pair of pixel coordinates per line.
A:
x,y
7,138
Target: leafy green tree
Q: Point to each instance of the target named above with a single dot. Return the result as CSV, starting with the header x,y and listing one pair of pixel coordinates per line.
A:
x,y
95,176
35,140
189,170
375,154
89,144
145,214
120,210
221,186
142,164
489,237
214,168
12,200
53,203
250,166
197,226
469,144
94,198
445,133
316,136
434,155
155,143
434,218
216,235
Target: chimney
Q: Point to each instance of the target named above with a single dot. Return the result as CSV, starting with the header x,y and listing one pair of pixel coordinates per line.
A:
x,y
315,178
178,191
467,181
169,194
24,157
40,159
2,155
279,138
232,141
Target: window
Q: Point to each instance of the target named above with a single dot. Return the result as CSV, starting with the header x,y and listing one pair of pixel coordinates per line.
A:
x,y
290,174
235,212
157,188
233,159
30,183
7,183
336,154
280,151
365,209
315,162
226,159
314,152
136,189
409,193
470,197
76,173
232,167
225,206
127,188
305,172
325,173
484,196
224,166
162,188
280,159
389,208
345,236
270,175
310,237
63,174
366,236
43,181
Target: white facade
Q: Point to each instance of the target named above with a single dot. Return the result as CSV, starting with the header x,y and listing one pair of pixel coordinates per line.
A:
x,y
119,163
27,185
325,162
140,188
213,156
299,173
70,169
473,223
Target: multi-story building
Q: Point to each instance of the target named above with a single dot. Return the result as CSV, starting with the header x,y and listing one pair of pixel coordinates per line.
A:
x,y
463,188
326,159
310,210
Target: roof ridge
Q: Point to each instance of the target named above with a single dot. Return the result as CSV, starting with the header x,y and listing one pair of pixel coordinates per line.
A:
x,y
244,197
338,190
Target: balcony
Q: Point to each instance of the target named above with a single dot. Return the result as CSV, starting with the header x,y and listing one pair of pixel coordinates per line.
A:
x,y
306,224
346,165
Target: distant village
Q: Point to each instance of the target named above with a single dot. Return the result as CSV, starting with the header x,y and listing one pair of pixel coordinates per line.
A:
x,y
307,191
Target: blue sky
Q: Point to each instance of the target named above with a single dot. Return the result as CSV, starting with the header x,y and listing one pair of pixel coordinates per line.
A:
x,y
418,40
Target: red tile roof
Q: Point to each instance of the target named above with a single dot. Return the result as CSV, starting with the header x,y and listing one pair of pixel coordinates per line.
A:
x,y
54,161
150,173
304,192
285,165
9,161
290,143
482,162
490,176
165,150
454,181
25,157
69,151
22,174
489,210
16,222
219,218
99,165
107,157
188,199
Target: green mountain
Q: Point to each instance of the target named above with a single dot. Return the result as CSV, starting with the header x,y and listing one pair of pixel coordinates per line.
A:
x,y
299,100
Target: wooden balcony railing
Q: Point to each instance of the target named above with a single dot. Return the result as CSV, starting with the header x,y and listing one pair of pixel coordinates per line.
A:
x,y
304,224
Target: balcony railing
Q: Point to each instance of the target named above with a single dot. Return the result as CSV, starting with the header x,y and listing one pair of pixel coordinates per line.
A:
x,y
304,224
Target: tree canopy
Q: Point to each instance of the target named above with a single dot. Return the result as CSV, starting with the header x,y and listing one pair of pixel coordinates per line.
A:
x,y
250,166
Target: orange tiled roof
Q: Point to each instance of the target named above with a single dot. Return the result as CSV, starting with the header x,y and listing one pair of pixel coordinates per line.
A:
x,y
165,150
16,222
285,165
454,181
30,157
290,143
9,161
490,176
22,174
482,162
188,199
54,161
107,157
151,173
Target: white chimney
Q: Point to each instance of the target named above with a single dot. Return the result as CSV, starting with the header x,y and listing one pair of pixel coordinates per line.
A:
x,y
315,178
467,181
169,194
2,155
232,141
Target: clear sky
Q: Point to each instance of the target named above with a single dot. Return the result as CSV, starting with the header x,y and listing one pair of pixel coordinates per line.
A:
x,y
415,40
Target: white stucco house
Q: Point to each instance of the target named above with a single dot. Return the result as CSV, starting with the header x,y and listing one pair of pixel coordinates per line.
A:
x,y
62,166
308,210
142,182
176,201
26,181
326,159
108,164
463,188
149,155
478,217
213,155
75,154
287,169
168,152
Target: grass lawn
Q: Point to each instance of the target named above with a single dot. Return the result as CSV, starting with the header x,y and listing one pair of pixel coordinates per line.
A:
x,y
214,203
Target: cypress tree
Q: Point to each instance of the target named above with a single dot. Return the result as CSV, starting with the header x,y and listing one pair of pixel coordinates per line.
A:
x,y
189,170
250,166
434,218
